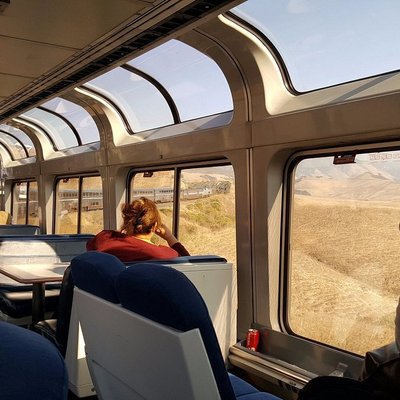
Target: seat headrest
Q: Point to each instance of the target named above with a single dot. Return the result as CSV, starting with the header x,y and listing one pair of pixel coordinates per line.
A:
x,y
167,296
96,272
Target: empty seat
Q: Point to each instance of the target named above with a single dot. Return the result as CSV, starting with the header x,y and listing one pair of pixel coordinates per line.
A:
x,y
56,329
16,298
31,368
159,343
17,230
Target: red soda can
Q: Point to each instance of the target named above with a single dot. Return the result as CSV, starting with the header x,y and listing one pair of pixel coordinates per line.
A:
x,y
252,339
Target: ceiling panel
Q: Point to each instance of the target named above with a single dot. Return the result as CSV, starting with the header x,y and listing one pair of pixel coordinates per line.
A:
x,y
10,84
30,59
72,23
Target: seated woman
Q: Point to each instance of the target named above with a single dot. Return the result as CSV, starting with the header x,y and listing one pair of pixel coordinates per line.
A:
x,y
133,241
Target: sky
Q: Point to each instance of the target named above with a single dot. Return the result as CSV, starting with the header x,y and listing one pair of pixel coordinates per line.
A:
x,y
326,42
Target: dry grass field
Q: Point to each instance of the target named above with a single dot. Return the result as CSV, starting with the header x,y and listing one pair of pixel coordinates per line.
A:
x,y
344,278
207,226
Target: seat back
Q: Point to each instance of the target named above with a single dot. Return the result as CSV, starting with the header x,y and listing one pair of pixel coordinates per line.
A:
x,y
15,305
166,296
84,268
159,344
63,313
32,249
135,358
215,279
17,230
31,368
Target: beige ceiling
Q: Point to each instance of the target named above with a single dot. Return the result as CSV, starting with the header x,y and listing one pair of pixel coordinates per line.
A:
x,y
39,39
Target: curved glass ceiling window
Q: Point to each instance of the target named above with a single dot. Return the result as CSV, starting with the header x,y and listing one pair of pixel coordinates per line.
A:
x,y
323,42
61,133
194,81
141,103
21,137
77,116
15,148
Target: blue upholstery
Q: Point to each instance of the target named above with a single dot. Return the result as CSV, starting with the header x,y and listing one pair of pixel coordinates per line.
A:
x,y
31,368
167,296
184,260
241,387
95,273
19,230
245,391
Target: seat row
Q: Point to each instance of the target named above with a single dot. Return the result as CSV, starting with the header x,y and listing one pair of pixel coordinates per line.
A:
x,y
148,333
33,250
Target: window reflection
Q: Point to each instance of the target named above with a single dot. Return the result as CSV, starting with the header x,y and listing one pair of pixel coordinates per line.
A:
x,y
18,211
21,136
60,132
77,116
14,146
66,218
194,81
141,103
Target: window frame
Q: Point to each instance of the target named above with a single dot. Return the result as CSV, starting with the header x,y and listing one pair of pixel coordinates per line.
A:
x,y
286,228
176,168
3,132
80,197
282,65
18,182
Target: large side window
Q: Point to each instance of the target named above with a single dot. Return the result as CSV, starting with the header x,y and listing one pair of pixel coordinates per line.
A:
x,y
343,249
24,207
207,211
78,205
197,203
33,205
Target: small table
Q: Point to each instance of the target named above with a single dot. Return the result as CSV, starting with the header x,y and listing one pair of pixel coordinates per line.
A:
x,y
37,275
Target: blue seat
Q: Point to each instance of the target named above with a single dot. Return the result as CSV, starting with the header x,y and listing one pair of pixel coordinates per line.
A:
x,y
184,260
31,368
166,298
17,230
96,273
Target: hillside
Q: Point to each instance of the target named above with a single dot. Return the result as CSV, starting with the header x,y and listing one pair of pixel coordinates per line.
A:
x,y
344,271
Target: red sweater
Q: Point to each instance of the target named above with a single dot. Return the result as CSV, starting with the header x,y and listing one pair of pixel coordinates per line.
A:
x,y
129,248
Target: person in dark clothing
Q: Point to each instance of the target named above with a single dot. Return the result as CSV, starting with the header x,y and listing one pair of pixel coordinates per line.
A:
x,y
141,220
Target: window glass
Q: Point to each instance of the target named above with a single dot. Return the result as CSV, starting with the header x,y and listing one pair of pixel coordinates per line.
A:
x,y
19,203
77,116
92,205
344,250
195,82
207,211
66,218
141,103
15,148
22,137
33,209
206,218
325,42
159,187
61,134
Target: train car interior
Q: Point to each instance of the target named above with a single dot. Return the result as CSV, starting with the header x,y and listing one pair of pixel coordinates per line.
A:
x,y
267,132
